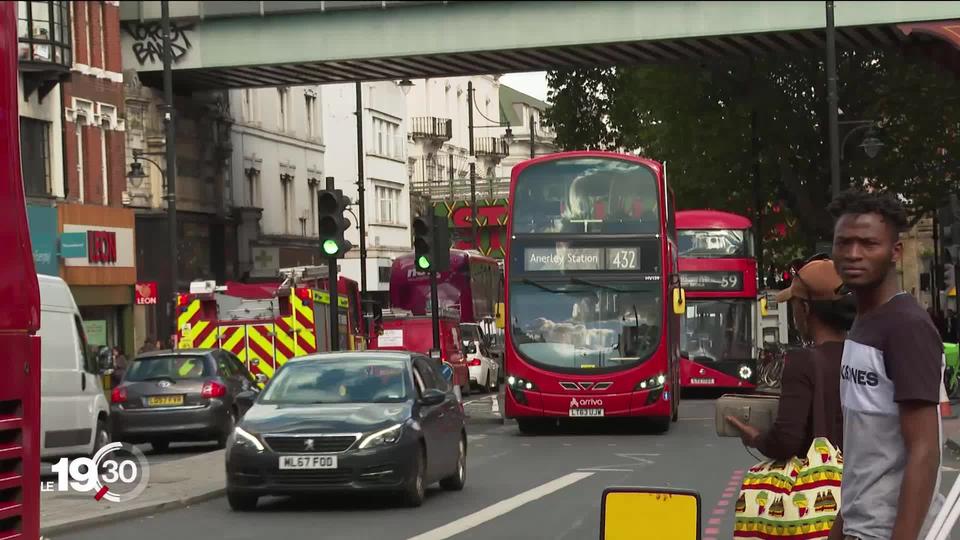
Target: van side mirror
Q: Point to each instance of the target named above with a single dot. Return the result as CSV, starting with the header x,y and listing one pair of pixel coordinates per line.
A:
x,y
661,512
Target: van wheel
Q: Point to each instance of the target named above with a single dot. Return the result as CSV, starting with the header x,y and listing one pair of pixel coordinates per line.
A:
x,y
102,436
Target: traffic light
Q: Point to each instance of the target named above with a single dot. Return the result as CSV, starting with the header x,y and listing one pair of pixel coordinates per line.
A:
x,y
949,277
332,225
431,243
941,277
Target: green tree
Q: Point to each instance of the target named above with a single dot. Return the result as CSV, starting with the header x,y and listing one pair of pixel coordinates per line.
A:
x,y
720,126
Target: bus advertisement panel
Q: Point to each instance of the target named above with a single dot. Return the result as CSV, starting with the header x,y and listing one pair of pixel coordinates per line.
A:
x,y
471,286
591,326
719,273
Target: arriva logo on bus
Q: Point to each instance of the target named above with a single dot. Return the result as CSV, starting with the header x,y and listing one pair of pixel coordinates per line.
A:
x,y
586,402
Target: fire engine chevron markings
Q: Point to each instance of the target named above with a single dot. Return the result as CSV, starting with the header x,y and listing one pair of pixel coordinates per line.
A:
x,y
503,507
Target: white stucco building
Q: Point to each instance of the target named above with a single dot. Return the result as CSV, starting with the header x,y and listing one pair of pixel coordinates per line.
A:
x,y
386,186
278,166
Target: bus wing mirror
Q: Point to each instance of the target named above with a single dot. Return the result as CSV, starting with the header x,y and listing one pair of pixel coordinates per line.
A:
x,y
661,512
679,301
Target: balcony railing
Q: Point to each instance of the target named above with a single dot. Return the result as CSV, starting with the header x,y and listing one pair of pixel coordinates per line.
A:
x,y
491,147
458,189
429,127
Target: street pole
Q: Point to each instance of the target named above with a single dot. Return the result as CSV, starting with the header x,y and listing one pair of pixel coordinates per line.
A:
x,y
170,145
473,168
533,139
935,272
833,102
332,287
434,311
360,192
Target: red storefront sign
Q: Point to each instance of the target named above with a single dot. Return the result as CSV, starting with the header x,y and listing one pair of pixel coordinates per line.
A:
x,y
145,293
102,246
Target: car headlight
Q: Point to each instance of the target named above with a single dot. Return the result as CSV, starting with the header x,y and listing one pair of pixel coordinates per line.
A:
x,y
745,372
383,437
244,438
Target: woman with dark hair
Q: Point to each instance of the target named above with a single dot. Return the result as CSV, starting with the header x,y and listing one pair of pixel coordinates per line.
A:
x,y
810,385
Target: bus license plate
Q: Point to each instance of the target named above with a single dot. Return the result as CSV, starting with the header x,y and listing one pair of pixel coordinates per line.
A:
x,y
586,412
308,462
702,381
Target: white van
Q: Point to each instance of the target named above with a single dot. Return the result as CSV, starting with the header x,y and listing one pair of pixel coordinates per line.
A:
x,y
74,413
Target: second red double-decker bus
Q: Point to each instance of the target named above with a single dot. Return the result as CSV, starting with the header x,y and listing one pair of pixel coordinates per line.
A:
x,y
593,292
719,274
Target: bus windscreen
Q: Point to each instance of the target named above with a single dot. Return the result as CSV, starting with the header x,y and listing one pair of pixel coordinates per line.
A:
x,y
586,195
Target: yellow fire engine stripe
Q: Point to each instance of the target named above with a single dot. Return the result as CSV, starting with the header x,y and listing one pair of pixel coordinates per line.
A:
x,y
187,315
287,342
232,341
254,335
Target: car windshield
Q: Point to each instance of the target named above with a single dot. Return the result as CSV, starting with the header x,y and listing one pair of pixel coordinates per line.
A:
x,y
585,326
169,367
718,330
352,380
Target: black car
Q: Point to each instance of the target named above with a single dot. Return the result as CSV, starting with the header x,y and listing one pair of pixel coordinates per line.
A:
x,y
181,395
369,421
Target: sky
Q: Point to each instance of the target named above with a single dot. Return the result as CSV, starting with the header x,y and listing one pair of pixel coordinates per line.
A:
x,y
533,83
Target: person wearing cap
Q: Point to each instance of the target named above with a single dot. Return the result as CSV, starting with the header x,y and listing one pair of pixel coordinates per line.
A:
x,y
821,316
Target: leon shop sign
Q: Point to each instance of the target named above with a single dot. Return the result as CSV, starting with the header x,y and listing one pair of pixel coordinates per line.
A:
x,y
145,293
96,245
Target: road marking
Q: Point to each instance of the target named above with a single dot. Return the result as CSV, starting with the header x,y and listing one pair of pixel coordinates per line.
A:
x,y
606,470
477,437
477,400
696,419
948,469
495,406
498,509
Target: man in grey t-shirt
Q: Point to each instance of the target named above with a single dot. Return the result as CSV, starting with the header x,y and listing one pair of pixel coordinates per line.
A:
x,y
891,381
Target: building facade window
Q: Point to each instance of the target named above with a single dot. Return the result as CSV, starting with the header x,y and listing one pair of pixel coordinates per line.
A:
x,y
312,185
35,156
387,141
388,205
253,188
286,183
43,29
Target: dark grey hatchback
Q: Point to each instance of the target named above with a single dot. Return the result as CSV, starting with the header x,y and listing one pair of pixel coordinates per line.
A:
x,y
181,395
369,421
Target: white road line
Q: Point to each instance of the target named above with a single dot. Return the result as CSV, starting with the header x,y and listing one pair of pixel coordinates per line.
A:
x,y
475,400
498,509
606,470
478,437
495,406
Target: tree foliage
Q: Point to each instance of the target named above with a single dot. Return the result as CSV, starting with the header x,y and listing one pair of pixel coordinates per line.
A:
x,y
720,126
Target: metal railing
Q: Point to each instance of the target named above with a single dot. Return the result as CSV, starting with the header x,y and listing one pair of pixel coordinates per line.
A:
x,y
491,146
458,189
431,127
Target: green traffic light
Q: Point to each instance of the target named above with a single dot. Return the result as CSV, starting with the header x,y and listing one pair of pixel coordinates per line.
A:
x,y
330,247
423,262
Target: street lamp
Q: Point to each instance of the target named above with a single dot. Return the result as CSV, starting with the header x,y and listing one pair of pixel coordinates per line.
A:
x,y
871,144
507,137
136,174
405,85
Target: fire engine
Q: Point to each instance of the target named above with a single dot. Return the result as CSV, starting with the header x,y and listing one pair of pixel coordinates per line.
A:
x,y
266,324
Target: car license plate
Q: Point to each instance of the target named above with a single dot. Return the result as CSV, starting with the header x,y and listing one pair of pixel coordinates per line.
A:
x,y
162,401
702,381
586,412
308,462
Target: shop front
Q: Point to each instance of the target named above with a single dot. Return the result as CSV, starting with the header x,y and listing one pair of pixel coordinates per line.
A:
x,y
97,249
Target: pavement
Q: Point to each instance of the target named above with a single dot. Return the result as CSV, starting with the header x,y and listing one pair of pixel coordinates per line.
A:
x,y
545,486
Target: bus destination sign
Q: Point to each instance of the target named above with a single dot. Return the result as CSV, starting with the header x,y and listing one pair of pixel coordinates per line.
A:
x,y
560,258
712,281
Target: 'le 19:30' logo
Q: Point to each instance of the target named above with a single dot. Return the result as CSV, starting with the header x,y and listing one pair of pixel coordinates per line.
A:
x,y
117,472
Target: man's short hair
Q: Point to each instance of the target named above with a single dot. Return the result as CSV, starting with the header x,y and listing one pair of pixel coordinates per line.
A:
x,y
885,204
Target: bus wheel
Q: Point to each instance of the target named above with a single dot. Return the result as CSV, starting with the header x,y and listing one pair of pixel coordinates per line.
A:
x,y
675,402
529,426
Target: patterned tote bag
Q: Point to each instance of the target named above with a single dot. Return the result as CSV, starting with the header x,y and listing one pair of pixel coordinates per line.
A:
x,y
797,499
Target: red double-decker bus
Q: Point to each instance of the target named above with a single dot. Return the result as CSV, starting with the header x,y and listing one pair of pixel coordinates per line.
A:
x,y
718,271
20,314
593,292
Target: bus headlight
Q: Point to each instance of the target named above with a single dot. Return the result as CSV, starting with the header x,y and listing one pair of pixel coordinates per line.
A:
x,y
516,383
745,372
653,383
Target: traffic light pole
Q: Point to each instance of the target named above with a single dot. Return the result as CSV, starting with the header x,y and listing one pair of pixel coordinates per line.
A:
x,y
334,306
435,311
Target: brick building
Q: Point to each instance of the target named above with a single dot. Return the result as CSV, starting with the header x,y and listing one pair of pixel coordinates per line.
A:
x,y
95,175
